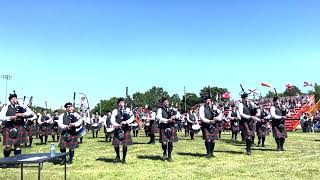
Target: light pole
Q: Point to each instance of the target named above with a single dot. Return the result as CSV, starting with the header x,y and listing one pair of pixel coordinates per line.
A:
x,y
6,77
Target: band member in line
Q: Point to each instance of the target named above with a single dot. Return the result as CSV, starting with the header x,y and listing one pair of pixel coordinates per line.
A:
x,y
153,126
95,125
120,119
192,119
55,127
69,121
31,128
13,118
278,114
262,126
209,114
108,127
44,122
248,121
168,133
234,118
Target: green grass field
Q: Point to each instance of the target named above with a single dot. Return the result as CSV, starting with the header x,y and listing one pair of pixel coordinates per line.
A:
x,y
93,160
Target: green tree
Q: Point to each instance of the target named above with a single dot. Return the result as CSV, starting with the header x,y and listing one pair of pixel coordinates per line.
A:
x,y
175,100
270,94
292,91
191,100
317,91
106,105
212,91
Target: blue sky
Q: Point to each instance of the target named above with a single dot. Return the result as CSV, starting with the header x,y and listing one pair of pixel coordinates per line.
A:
x,y
53,48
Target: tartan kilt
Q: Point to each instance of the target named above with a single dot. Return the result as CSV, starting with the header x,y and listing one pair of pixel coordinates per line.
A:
x,y
235,128
219,125
206,135
45,130
32,130
163,138
20,139
55,130
248,129
262,131
277,133
108,134
73,141
154,127
127,138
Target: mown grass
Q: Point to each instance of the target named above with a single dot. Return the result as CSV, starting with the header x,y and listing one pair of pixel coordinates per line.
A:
x,y
93,160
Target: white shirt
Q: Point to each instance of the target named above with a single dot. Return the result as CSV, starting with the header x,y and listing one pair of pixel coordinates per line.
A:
x,y
242,115
164,120
189,120
115,113
4,117
63,126
46,121
204,119
273,113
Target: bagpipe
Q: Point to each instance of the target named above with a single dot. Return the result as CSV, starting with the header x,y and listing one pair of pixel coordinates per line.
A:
x,y
284,111
71,130
120,130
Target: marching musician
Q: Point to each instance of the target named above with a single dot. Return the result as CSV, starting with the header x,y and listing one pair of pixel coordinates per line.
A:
x,y
209,114
278,114
248,121
108,127
55,127
153,125
69,121
168,133
120,119
44,121
234,118
13,119
95,125
31,128
262,126
192,119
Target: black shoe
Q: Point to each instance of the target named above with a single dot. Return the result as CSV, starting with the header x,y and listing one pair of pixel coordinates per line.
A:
x,y
208,156
281,149
278,148
263,145
212,155
169,159
116,160
149,142
164,157
248,153
258,145
124,161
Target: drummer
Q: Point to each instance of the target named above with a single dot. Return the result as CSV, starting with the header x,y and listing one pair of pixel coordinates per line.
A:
x,y
193,123
95,125
108,127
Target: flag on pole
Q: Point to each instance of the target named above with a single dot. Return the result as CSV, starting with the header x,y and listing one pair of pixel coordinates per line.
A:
x,y
288,86
226,95
265,84
306,83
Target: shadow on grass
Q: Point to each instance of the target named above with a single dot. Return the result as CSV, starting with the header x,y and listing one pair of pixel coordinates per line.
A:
x,y
230,152
106,160
263,149
154,158
191,154
317,140
232,142
102,141
139,143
